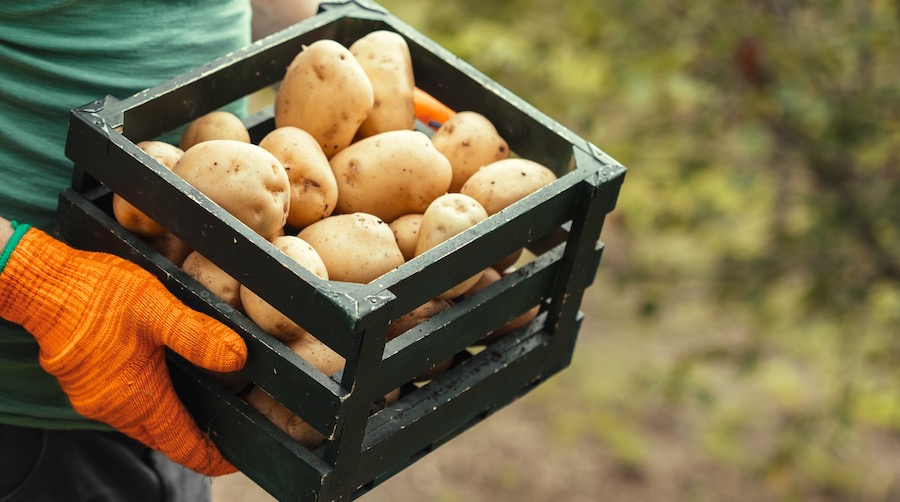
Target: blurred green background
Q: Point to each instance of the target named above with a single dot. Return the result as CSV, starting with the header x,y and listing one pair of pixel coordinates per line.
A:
x,y
742,340
743,336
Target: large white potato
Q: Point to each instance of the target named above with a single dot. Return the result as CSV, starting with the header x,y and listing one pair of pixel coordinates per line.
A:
x,y
444,218
501,183
245,179
325,92
355,247
469,140
385,57
390,174
314,191
219,124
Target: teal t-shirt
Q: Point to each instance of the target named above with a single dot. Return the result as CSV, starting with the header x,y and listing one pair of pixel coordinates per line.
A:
x,y
56,55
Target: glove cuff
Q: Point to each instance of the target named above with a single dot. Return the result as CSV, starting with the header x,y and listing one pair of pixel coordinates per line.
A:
x,y
34,282
19,230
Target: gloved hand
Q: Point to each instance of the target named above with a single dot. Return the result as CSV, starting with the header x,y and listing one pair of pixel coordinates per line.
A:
x,y
102,323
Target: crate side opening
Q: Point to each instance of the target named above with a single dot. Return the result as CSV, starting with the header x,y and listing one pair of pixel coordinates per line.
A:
x,y
475,320
488,380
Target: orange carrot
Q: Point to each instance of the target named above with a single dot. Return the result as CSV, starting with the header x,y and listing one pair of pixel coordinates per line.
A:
x,y
430,111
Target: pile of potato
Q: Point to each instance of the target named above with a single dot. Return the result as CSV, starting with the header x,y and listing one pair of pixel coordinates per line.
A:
x,y
344,185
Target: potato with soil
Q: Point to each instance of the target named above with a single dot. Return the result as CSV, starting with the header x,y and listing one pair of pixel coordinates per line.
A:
x,y
390,174
469,140
132,218
213,278
385,57
444,218
265,315
314,191
170,247
326,93
318,354
356,247
219,124
244,179
284,418
501,183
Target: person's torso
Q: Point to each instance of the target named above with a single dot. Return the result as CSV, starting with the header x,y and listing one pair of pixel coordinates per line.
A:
x,y
56,55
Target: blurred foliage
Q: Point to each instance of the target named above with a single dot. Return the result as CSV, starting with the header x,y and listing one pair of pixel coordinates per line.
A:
x,y
753,264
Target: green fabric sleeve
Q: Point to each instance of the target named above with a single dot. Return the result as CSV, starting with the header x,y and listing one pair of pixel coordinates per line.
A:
x,y
57,55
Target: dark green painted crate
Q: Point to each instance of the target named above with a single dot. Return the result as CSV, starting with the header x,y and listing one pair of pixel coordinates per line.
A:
x,y
561,224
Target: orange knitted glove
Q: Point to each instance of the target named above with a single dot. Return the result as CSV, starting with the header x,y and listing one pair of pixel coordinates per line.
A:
x,y
102,324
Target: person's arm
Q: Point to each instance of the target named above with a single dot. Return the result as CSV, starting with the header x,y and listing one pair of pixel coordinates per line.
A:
x,y
102,324
270,16
6,232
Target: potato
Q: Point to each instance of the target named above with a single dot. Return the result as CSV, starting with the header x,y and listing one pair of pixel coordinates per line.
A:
x,y
489,277
412,319
447,216
469,140
325,92
315,352
406,231
314,191
265,315
507,261
132,218
390,174
417,316
284,418
392,397
214,125
501,183
164,153
356,247
325,360
385,57
213,278
242,178
171,247
322,358
436,370
227,289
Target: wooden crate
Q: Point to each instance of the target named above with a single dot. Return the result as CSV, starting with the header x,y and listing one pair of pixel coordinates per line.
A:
x,y
366,444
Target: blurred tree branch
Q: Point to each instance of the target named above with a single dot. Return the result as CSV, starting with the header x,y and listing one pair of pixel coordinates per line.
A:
x,y
854,197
